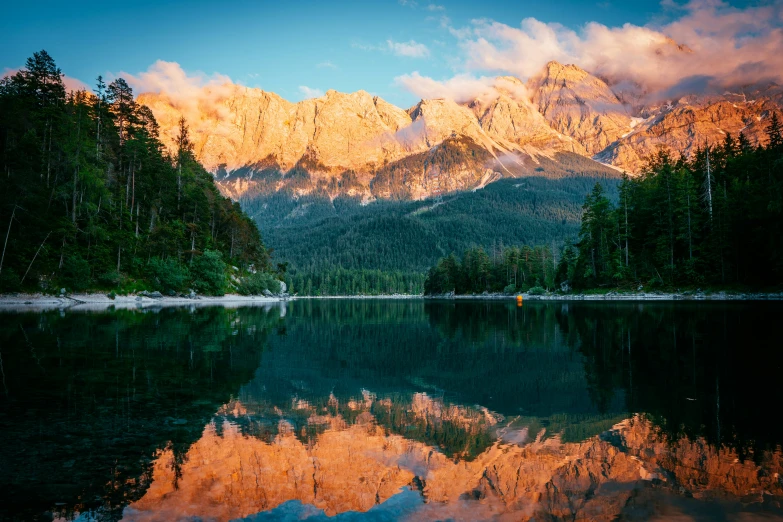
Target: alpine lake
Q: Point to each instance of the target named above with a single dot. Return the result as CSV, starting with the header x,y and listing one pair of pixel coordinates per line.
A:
x,y
380,409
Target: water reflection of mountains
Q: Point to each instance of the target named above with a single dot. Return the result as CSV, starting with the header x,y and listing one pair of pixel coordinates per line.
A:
x,y
699,369
123,388
88,399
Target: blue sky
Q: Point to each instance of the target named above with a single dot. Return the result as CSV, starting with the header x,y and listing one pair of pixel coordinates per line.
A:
x,y
287,46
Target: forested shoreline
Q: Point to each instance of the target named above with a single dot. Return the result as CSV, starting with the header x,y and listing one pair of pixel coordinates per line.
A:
x,y
90,199
714,221
340,246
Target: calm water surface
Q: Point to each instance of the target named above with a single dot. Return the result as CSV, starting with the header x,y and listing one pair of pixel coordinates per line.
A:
x,y
393,410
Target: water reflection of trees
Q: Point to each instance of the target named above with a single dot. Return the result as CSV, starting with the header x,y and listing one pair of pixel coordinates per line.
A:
x,y
512,361
699,369
92,397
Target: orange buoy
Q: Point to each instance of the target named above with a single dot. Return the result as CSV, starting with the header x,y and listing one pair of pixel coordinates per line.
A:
x,y
519,300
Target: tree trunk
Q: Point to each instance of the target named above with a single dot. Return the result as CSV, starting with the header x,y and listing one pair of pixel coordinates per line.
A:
x,y
690,242
49,155
626,231
73,198
36,255
8,233
133,183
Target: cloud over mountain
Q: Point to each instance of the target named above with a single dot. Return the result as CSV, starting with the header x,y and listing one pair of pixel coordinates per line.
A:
x,y
710,45
196,96
461,88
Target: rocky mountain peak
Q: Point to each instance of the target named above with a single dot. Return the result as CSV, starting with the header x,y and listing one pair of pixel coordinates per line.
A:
x,y
556,71
563,108
579,105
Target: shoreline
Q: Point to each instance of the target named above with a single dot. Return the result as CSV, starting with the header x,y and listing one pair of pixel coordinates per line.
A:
x,y
381,296
640,296
98,301
125,302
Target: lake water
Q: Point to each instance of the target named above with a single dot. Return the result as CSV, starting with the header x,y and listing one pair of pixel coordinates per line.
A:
x,y
393,410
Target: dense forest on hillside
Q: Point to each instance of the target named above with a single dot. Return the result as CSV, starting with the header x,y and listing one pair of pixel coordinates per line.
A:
x,y
715,220
89,197
339,246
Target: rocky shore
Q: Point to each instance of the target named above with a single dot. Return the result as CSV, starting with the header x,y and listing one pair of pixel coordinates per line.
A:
x,y
141,300
156,299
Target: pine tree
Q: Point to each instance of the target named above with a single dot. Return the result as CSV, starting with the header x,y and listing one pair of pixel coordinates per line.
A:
x,y
106,211
775,132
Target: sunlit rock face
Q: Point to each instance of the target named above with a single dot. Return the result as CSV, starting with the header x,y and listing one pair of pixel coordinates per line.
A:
x,y
687,124
348,143
580,105
358,466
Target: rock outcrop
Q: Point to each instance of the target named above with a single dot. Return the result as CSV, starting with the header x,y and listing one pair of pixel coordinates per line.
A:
x,y
579,105
688,124
347,144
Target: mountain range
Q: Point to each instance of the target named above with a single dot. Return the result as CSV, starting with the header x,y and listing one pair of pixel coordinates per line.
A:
x,y
511,166
359,145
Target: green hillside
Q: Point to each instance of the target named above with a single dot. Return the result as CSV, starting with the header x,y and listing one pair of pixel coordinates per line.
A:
x,y
342,246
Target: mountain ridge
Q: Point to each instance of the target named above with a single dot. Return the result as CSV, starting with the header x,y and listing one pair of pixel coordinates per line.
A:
x,y
353,143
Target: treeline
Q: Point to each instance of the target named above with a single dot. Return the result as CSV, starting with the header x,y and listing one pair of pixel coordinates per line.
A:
x,y
318,236
90,198
504,269
316,233
341,281
715,220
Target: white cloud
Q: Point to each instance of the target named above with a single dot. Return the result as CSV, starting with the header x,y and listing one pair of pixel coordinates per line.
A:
x,y
326,65
435,7
169,78
364,47
199,97
710,45
410,49
461,88
309,92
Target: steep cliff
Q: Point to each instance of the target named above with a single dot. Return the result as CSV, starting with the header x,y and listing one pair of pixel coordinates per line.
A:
x,y
360,145
579,105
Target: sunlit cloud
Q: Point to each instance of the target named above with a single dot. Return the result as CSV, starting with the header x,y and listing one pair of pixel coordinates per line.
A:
x,y
719,44
169,78
198,97
461,88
